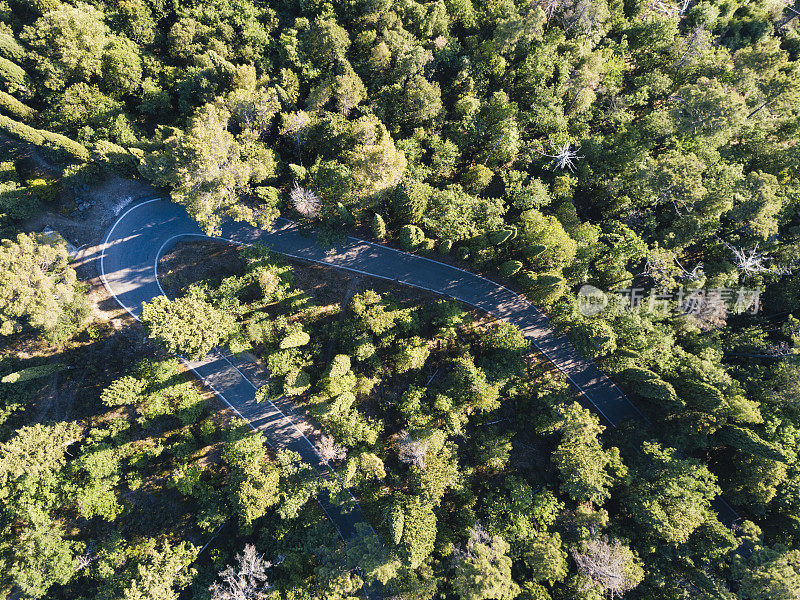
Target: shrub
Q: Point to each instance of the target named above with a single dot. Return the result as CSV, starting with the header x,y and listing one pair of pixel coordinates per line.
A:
x,y
115,157
594,338
45,190
411,236
39,137
378,227
126,390
295,338
502,235
296,383
445,246
410,199
476,178
9,48
427,245
15,76
547,288
510,268
189,405
283,362
186,326
15,108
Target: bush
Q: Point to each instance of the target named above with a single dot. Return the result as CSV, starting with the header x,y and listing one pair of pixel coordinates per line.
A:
x,y
510,268
9,48
15,76
427,245
15,108
594,338
296,383
344,214
294,338
476,178
546,288
445,246
378,227
39,137
410,199
503,235
124,391
186,326
411,236
45,190
115,157
268,195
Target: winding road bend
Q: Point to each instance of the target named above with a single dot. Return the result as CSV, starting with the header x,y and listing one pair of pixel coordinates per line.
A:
x,y
128,268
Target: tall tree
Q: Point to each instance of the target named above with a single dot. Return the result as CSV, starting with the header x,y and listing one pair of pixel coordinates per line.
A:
x,y
39,288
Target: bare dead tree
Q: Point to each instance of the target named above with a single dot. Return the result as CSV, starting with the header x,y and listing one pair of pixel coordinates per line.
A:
x,y
749,262
693,45
411,451
85,559
247,582
605,565
329,450
671,8
695,273
477,535
295,126
563,157
306,202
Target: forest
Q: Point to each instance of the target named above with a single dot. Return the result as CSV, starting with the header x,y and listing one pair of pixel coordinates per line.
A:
x,y
629,166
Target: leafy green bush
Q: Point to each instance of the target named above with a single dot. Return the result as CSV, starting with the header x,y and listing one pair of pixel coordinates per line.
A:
x,y
124,391
378,227
47,139
13,75
411,236
10,48
297,382
510,268
295,338
15,108
502,235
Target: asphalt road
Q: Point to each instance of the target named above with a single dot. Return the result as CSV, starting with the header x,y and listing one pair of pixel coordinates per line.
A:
x,y
146,230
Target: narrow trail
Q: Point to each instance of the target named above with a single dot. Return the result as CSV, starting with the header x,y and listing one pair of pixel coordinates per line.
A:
x,y
128,265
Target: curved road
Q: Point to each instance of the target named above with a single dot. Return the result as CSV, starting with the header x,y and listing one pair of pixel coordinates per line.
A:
x,y
128,268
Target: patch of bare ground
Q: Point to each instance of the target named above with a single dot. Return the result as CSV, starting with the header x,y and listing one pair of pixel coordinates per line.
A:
x,y
190,262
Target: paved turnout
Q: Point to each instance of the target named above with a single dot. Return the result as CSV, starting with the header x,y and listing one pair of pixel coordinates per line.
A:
x,y
146,230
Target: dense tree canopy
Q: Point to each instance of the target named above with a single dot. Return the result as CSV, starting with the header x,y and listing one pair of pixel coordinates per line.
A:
x,y
641,152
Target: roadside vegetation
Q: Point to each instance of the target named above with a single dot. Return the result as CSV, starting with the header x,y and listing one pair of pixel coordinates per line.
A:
x,y
568,148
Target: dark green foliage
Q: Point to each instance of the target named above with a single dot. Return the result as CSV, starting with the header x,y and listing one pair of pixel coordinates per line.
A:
x,y
510,268
61,145
748,441
617,144
126,390
16,109
378,227
411,237
187,326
